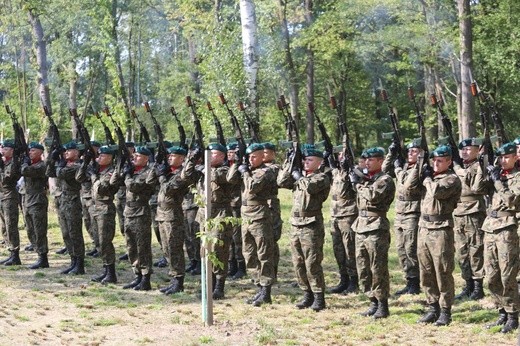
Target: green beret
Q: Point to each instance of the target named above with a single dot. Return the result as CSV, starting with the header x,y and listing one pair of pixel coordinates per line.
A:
x,y
217,146
310,150
441,151
254,147
232,145
416,143
95,144
269,146
168,144
517,141
8,143
105,149
70,145
143,150
374,152
35,145
470,142
130,144
508,148
177,150
364,154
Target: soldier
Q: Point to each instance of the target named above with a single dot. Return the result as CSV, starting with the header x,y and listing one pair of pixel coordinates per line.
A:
x,y
87,207
310,190
103,210
274,202
501,245
71,226
375,193
407,214
120,201
435,245
468,218
192,227
175,180
221,195
343,211
257,231
36,202
9,200
138,223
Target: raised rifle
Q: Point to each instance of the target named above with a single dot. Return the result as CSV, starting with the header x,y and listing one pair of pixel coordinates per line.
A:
x,y
329,147
20,143
296,151
56,140
348,162
242,159
287,122
162,152
144,136
488,152
448,127
180,128
397,139
253,128
489,104
199,136
85,137
218,126
419,117
123,155
108,134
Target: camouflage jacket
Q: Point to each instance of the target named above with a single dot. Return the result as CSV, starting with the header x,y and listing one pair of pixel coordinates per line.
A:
x,y
408,200
343,196
273,200
139,189
9,176
221,190
474,189
66,179
374,197
505,202
35,182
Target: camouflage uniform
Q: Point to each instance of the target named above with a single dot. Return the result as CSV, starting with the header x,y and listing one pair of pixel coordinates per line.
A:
x,y
276,218
9,201
192,227
87,207
236,252
120,202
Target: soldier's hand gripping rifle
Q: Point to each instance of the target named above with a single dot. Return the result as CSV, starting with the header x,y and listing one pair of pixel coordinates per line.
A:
x,y
242,159
56,145
90,153
295,155
199,136
329,147
252,125
218,126
419,117
488,152
108,134
20,143
397,139
348,161
123,155
180,128
162,152
448,127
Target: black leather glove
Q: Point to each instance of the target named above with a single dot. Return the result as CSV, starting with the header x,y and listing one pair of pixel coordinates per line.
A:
x,y
332,161
87,156
62,163
243,168
354,178
393,148
55,155
162,169
129,170
427,171
199,168
195,154
296,174
289,154
398,164
493,173
26,160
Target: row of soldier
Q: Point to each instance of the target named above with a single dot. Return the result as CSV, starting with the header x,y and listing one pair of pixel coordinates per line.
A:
x,y
434,204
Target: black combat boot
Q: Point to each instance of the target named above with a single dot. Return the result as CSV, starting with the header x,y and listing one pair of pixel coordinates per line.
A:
x,y
29,247
232,267
307,301
218,291
478,290
353,285
502,319
444,317
382,309
176,286
99,278
196,270
405,289
372,308
15,259
342,285
42,262
264,297
432,314
319,302
134,283
111,277
241,271
8,258
511,323
255,297
73,260
123,257
79,268
193,264
93,253
145,284
161,263
467,290
62,251
415,286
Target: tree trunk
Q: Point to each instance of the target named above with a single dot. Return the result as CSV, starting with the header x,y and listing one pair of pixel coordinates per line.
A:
x,y
194,72
250,52
466,116
310,75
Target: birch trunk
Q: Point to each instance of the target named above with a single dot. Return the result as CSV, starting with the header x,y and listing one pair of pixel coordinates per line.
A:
x,y
250,51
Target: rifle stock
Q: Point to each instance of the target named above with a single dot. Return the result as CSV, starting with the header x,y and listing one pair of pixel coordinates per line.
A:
x,y
123,155
448,127
161,147
419,117
180,128
238,131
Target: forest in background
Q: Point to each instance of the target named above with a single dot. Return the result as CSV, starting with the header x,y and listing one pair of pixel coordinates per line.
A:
x,y
121,53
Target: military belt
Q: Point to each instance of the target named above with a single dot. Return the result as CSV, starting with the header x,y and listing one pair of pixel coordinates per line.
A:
x,y
253,203
408,199
470,198
221,205
367,213
497,214
438,217
306,213
136,204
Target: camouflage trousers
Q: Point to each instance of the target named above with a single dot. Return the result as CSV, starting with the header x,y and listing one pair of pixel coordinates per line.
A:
x,y
192,227
71,225
236,242
502,265
138,234
9,214
277,232
221,249
344,244
469,243
372,262
120,209
36,219
307,255
172,237
258,245
86,210
436,253
29,228
104,220
406,227
155,227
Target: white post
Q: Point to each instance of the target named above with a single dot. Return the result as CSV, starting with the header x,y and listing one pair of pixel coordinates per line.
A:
x,y
206,266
